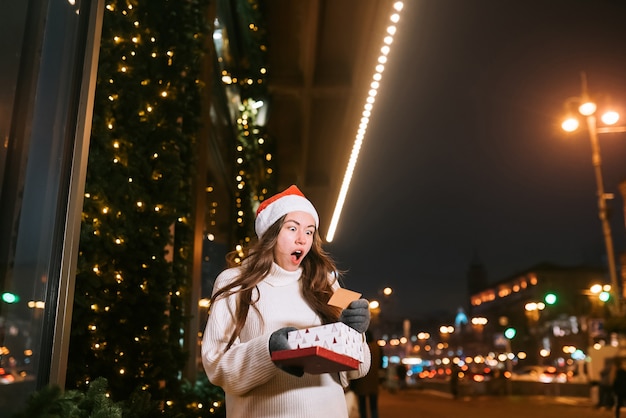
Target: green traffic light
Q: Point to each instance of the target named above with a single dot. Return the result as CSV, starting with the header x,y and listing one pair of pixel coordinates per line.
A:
x,y
509,333
550,299
604,296
8,297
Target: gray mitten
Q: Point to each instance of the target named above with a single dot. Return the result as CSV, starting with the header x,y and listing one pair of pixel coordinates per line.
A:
x,y
357,315
278,342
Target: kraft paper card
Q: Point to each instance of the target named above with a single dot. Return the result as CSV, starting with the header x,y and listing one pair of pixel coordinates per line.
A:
x,y
342,298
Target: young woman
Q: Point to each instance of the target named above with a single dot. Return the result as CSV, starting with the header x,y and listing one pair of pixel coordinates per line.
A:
x,y
283,284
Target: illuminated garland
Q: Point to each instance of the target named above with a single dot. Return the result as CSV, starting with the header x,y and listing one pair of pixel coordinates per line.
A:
x,y
136,237
135,250
243,75
255,171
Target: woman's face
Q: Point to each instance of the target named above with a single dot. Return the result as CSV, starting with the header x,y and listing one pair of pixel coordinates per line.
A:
x,y
294,240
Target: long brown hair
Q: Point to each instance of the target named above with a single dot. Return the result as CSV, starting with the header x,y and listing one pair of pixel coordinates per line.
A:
x,y
317,270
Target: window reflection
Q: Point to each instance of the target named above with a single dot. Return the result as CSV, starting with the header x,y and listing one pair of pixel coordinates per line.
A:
x,y
40,109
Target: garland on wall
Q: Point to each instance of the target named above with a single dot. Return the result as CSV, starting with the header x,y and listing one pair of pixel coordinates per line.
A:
x,y
136,238
241,60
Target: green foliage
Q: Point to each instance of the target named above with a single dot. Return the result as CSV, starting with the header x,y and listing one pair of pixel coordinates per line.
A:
x,y
52,402
136,233
133,270
140,405
203,393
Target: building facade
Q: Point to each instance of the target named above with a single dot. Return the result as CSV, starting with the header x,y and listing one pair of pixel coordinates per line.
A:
x,y
550,312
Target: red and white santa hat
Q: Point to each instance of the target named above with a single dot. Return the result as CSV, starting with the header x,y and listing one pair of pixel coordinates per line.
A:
x,y
272,209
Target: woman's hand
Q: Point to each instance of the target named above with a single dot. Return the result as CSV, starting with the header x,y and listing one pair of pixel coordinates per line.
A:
x,y
278,342
357,315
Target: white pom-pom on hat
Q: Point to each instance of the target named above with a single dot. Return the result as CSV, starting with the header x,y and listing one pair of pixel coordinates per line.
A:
x,y
272,209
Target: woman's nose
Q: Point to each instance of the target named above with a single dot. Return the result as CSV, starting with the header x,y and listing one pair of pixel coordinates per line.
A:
x,y
300,238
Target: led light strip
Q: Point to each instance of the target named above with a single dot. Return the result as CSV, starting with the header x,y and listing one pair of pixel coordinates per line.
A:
x,y
367,111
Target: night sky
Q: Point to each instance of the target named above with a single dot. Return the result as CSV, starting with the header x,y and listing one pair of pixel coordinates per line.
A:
x,y
464,157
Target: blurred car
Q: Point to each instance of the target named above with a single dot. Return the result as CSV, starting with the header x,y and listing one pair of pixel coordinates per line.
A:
x,y
477,375
544,374
6,378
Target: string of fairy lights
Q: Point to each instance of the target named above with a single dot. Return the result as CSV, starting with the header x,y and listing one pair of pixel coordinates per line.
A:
x,y
136,234
245,87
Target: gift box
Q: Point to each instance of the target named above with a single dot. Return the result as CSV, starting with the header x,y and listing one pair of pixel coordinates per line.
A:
x,y
336,337
315,360
323,349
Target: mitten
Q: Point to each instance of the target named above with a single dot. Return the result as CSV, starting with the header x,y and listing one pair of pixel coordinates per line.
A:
x,y
357,315
278,342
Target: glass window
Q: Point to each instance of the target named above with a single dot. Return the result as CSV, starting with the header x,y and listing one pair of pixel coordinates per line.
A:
x,y
43,116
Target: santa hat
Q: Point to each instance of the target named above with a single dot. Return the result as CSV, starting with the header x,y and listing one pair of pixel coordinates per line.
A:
x,y
272,209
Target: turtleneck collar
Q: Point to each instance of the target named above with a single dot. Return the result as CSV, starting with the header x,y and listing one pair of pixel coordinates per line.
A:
x,y
280,277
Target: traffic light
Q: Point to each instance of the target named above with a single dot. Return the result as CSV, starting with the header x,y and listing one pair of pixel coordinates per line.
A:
x,y
550,298
509,333
8,297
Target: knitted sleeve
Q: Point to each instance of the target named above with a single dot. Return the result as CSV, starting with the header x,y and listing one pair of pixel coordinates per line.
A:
x,y
245,365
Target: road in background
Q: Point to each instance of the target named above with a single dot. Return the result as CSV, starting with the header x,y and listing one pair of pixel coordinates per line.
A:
x,y
419,404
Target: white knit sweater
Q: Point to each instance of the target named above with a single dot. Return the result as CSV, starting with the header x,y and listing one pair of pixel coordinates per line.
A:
x,y
254,386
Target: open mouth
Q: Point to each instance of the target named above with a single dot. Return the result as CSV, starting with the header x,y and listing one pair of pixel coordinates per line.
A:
x,y
296,255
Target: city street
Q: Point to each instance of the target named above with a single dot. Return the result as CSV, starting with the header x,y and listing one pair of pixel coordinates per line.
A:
x,y
415,403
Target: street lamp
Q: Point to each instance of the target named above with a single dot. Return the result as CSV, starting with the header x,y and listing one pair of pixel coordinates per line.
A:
x,y
446,329
601,292
587,109
532,311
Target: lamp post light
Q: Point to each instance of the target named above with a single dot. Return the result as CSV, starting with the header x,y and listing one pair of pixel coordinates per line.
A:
x,y
445,330
601,292
532,312
381,323
374,308
478,323
587,109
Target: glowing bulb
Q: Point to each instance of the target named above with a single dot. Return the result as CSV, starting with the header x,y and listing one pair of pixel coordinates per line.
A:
x,y
610,118
587,108
596,288
570,125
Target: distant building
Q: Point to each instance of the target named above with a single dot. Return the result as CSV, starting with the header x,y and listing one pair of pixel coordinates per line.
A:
x,y
551,309
477,278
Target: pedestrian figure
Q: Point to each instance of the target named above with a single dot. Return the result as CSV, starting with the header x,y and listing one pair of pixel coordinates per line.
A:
x,y
284,283
497,383
454,383
401,375
366,388
605,392
619,386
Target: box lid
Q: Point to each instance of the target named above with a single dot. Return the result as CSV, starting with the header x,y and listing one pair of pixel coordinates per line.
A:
x,y
315,360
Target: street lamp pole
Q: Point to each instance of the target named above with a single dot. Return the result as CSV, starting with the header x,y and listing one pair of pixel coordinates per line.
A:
x,y
602,207
587,109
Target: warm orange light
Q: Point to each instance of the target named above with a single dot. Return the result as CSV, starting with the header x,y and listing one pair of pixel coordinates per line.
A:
x,y
587,108
596,288
570,125
610,118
